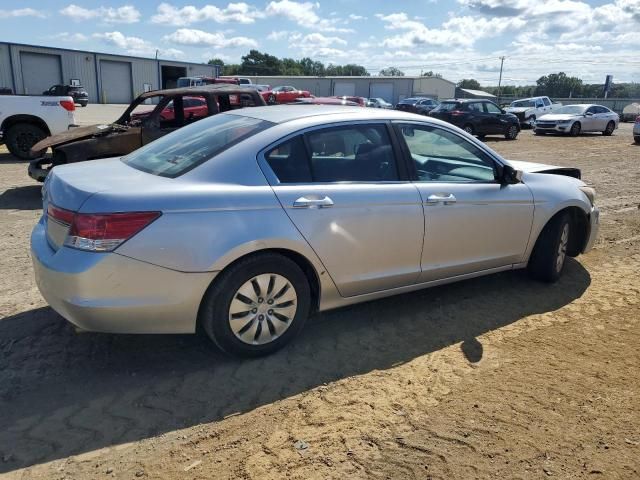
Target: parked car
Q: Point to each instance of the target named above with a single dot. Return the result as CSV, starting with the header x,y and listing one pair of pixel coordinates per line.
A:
x,y
360,101
478,117
283,94
240,80
378,103
324,101
636,130
630,112
25,120
141,123
77,92
574,119
260,88
529,109
246,222
418,105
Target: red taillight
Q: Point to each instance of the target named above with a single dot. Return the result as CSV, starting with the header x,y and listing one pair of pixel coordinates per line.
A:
x,y
457,113
60,215
106,231
68,105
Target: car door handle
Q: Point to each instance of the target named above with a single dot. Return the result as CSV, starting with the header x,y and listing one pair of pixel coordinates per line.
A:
x,y
444,198
315,201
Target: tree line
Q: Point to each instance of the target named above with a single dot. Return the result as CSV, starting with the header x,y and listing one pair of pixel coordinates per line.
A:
x,y
558,85
259,63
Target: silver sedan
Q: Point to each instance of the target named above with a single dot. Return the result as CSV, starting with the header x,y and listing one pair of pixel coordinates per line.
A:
x,y
575,119
247,222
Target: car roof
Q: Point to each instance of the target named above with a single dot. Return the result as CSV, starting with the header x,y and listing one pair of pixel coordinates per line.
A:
x,y
287,113
216,87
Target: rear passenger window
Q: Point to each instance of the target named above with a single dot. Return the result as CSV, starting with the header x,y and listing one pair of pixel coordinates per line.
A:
x,y
289,162
352,154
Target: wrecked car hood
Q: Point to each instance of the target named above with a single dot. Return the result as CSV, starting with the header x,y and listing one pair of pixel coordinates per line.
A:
x,y
76,134
531,167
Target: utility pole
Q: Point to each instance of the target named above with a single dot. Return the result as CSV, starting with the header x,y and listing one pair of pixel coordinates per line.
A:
x,y
500,80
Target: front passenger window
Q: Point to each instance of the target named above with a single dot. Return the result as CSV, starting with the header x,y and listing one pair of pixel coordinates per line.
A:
x,y
442,156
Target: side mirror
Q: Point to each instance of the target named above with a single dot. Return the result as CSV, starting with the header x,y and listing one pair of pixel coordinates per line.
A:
x,y
588,114
510,175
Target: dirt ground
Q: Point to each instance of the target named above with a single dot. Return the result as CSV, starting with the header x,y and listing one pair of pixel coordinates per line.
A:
x,y
493,378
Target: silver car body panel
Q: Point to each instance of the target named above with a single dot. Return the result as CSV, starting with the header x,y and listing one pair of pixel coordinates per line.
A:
x,y
377,240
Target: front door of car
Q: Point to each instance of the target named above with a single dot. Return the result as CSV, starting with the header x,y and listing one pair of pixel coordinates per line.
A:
x,y
496,119
472,221
590,120
342,189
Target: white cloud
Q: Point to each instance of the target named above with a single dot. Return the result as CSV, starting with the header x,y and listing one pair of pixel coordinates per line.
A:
x,y
356,17
193,37
124,14
70,37
136,45
303,13
21,12
279,35
233,12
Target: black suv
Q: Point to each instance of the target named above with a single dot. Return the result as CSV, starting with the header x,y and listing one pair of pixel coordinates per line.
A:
x,y
78,93
417,105
478,117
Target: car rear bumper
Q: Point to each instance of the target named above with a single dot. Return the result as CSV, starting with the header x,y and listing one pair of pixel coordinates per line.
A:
x,y
594,227
107,292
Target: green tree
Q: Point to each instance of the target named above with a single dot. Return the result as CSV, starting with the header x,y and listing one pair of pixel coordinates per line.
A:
x,y
391,72
431,73
312,68
216,61
559,85
257,63
469,83
291,67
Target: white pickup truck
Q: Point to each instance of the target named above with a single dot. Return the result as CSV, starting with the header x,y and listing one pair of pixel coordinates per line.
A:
x,y
528,109
25,120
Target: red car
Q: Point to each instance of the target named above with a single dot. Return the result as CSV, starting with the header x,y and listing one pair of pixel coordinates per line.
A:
x,y
194,107
325,101
359,100
283,94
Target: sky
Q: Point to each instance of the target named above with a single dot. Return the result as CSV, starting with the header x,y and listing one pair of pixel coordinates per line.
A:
x,y
457,38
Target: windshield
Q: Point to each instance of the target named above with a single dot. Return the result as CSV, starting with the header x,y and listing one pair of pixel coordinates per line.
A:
x,y
572,109
523,103
184,149
381,100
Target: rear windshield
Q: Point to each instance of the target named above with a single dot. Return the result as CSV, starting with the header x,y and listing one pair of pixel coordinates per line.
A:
x,y
186,148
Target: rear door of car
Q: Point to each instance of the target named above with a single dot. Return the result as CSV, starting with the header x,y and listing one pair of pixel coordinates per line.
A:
x,y
473,222
603,116
345,190
478,117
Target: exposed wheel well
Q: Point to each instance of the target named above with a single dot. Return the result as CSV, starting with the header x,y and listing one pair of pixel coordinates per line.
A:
x,y
31,119
304,264
579,229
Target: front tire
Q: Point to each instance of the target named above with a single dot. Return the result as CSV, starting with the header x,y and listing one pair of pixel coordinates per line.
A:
x,y
550,251
575,129
21,137
271,100
611,126
511,132
256,306
468,128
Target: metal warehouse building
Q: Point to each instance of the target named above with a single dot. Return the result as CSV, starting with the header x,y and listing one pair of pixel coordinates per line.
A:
x,y
392,89
30,70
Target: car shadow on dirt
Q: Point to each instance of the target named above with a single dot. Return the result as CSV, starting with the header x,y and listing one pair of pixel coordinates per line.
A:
x,y
63,393
28,197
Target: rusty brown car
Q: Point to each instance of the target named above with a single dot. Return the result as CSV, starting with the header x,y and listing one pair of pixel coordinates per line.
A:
x,y
149,117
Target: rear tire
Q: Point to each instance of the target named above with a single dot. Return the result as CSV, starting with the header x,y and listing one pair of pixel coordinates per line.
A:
x,y
611,126
256,332
550,251
21,137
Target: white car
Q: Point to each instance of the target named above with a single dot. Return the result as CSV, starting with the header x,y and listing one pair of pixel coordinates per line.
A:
x,y
25,120
529,109
574,119
378,103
